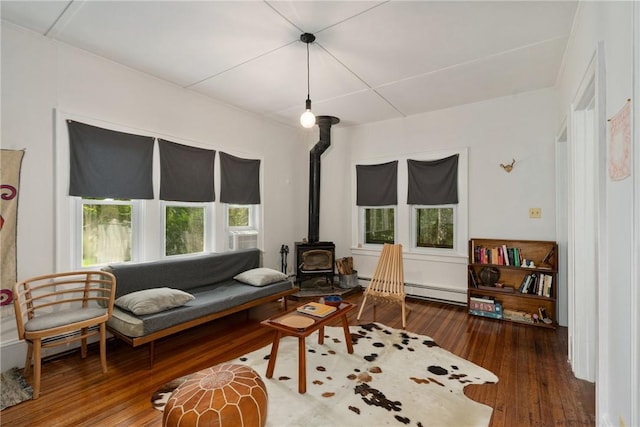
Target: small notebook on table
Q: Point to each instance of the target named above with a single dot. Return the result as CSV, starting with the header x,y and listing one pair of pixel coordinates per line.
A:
x,y
316,309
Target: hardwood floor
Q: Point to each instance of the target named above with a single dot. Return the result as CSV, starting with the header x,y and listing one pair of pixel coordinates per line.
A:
x,y
536,386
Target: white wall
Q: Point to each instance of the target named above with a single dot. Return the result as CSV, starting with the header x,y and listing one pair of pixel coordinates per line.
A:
x,y
522,127
41,77
617,359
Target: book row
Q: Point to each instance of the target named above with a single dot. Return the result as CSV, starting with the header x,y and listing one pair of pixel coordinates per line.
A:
x,y
500,255
537,284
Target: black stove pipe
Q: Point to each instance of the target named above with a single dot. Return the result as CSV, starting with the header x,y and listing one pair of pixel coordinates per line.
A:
x,y
324,123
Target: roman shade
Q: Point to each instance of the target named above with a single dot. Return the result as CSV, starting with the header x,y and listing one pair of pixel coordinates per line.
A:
x,y
109,164
433,182
377,185
186,173
239,180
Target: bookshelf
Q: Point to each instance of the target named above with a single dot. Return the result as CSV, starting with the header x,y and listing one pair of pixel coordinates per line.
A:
x,y
520,288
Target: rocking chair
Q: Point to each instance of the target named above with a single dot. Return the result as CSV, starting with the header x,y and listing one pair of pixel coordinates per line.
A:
x,y
387,283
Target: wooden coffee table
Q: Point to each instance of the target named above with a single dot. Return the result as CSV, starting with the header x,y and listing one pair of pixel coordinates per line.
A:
x,y
301,326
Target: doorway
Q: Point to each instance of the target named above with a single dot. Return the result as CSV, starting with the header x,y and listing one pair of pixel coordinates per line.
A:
x,y
585,193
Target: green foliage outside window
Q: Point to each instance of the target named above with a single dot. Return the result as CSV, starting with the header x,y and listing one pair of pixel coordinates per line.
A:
x,y
106,233
238,216
184,232
434,227
379,225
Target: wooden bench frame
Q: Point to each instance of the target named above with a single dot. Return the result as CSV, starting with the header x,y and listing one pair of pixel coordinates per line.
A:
x,y
151,338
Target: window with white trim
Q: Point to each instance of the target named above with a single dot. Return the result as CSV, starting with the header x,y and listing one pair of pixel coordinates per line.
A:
x,y
185,227
434,226
378,225
240,217
242,226
107,231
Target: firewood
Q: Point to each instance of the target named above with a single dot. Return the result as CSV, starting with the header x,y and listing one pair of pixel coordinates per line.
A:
x,y
345,265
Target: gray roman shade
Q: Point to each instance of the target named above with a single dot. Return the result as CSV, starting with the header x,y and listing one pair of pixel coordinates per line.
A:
x,y
433,182
239,180
377,185
109,164
186,173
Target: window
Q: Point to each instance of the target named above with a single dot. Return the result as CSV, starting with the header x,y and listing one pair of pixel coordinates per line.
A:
x,y
239,216
434,226
107,219
379,225
432,221
242,226
184,228
106,231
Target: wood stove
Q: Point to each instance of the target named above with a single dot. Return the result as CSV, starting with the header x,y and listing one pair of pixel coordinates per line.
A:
x,y
315,260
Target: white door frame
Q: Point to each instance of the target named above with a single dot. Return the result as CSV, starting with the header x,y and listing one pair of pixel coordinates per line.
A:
x,y
562,207
586,214
635,251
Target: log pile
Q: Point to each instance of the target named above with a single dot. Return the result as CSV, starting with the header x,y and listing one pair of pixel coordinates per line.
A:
x,y
345,266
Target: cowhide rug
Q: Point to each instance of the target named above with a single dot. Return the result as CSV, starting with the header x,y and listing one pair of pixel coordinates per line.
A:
x,y
393,377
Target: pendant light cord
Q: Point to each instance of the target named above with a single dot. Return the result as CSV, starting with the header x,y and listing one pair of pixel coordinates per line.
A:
x,y
308,86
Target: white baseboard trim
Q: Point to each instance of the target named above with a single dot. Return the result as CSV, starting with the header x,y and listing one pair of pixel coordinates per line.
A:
x,y
14,352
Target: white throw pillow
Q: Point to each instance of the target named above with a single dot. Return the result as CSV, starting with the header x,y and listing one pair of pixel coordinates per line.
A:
x,y
260,276
153,300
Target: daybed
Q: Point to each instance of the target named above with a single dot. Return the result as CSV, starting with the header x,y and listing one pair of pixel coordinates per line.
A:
x,y
159,298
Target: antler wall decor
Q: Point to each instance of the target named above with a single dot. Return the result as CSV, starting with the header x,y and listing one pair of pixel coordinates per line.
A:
x,y
508,168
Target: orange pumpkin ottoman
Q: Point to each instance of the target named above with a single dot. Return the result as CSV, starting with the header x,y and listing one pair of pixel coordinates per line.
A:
x,y
223,395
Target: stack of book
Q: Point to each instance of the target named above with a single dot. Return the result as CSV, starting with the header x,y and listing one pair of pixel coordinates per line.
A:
x,y
485,306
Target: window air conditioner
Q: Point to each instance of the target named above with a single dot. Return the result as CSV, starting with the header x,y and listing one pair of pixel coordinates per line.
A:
x,y
244,239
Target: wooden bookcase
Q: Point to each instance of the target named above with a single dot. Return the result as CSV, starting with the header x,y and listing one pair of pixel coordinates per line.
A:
x,y
486,253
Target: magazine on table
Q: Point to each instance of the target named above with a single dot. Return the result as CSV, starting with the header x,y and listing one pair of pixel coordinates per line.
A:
x,y
316,309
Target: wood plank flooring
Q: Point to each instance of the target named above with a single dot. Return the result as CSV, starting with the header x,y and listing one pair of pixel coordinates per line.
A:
x,y
536,386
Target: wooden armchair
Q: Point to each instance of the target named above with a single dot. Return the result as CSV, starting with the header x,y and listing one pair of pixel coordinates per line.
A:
x,y
56,309
387,283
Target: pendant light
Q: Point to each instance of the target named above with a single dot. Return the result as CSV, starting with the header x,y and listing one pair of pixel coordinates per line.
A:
x,y
308,119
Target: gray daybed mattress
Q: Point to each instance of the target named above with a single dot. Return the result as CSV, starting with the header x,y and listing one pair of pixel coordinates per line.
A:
x,y
208,299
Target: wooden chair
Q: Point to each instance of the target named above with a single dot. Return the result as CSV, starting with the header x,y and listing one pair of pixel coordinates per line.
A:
x,y
56,309
387,283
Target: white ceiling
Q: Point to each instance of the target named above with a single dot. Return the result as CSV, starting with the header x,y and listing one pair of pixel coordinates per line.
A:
x,y
372,60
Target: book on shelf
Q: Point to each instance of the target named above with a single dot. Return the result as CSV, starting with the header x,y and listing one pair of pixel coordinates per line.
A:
x,y
536,284
542,279
316,309
495,314
485,299
505,255
548,280
473,277
484,306
533,289
523,284
499,255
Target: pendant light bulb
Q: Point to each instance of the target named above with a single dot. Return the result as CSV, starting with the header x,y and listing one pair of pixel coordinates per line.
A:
x,y
308,119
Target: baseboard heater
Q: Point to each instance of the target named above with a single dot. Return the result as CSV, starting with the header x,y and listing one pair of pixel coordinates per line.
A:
x,y
432,288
